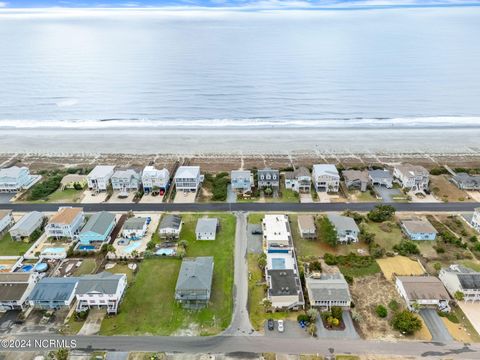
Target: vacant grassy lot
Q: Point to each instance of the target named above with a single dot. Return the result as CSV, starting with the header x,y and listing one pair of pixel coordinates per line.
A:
x,y
399,265
255,218
9,247
123,269
387,234
149,306
65,196
87,266
446,191
360,196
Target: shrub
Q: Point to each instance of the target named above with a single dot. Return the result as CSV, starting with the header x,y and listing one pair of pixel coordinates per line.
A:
x,y
406,322
315,266
381,311
312,315
330,259
381,213
376,251
312,329
303,318
365,236
459,296
348,279
438,171
393,305
337,312
473,238
45,187
406,247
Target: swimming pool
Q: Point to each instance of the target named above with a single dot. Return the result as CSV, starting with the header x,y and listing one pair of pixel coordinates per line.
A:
x,y
25,268
132,247
165,252
41,267
58,250
86,248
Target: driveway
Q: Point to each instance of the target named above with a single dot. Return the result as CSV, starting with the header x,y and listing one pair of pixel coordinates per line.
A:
x,y
231,195
254,240
93,322
436,326
291,330
387,195
348,333
5,198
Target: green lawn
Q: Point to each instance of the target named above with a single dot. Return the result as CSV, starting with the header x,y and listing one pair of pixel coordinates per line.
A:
x,y
123,269
9,247
372,269
87,266
364,196
149,306
67,196
387,234
255,218
472,264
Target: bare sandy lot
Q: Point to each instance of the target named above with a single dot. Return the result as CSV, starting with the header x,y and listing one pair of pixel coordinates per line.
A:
x,y
399,265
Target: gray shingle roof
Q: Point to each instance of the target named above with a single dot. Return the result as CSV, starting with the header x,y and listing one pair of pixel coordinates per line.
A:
x,y
195,274
13,285
329,287
380,174
469,281
99,223
135,223
54,289
206,225
28,222
105,283
343,223
171,221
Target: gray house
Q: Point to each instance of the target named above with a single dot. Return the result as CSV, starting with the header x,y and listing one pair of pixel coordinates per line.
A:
x,y
466,181
170,227
355,179
194,283
327,290
346,227
298,180
241,180
206,229
458,278
25,227
381,178
268,178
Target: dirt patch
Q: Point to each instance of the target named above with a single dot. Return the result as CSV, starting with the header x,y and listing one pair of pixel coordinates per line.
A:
x,y
458,332
446,191
400,265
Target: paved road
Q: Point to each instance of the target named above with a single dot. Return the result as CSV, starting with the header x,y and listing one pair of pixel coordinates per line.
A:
x,y
293,207
261,344
240,322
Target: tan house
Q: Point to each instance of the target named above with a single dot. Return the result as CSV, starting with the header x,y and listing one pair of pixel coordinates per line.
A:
x,y
65,223
355,179
306,226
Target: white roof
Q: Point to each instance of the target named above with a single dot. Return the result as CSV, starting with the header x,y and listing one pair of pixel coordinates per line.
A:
x,y
101,171
13,171
187,172
276,227
325,169
125,174
151,171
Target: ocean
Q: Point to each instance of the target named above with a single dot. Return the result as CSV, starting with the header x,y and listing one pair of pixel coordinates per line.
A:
x,y
153,71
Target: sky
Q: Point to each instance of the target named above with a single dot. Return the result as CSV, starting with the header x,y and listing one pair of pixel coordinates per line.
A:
x,y
243,4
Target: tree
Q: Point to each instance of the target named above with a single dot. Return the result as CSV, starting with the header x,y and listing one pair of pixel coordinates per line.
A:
x,y
183,243
337,312
315,266
60,354
312,315
365,236
459,296
381,213
328,232
381,311
406,322
267,305
437,266
312,329
406,247
262,261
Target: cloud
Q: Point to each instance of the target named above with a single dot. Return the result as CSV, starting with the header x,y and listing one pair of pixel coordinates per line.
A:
x,y
3,4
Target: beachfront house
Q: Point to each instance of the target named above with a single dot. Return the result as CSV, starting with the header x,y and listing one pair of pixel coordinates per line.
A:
x,y
52,293
66,223
6,220
277,235
155,180
187,178
463,280
135,228
476,219
306,226
423,291
15,288
104,290
268,178
413,177
328,289
72,181
381,178
355,179
170,227
241,181
194,282
325,178
346,228
99,178
14,179
418,229
125,180
26,226
206,228
98,228
466,181
298,180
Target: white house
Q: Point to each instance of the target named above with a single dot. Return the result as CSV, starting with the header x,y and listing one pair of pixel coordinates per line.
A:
x,y
476,219
306,226
14,179
241,180
104,290
66,223
15,288
153,178
325,177
206,228
135,228
125,180
413,177
187,178
99,177
346,228
458,278
170,227
276,231
423,291
328,289
298,180
27,225
5,219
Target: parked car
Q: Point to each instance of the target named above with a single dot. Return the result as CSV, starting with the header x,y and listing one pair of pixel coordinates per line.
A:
x,y
270,324
256,232
280,326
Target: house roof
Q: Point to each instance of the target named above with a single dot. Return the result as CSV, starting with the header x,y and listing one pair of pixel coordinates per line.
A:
x,y
418,226
240,174
380,174
298,172
73,178
65,215
187,172
343,223
206,225
14,277
101,171
468,278
99,223
195,274
13,285
283,282
412,170
54,289
352,175
465,178
423,287
135,223
151,171
128,173
306,222
325,169
171,221
12,172
105,283
328,287
27,222
4,213
269,171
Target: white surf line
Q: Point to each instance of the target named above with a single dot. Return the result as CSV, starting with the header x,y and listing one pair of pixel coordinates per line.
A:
x,y
8,160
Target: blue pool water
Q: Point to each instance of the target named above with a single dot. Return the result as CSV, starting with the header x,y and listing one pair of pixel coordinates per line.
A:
x,y
166,252
132,247
86,248
41,267
53,250
278,264
25,268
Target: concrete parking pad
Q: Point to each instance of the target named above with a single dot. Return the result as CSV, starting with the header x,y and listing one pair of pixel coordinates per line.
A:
x,y
291,330
472,312
149,199
91,197
435,326
387,195
120,200
254,240
93,322
185,197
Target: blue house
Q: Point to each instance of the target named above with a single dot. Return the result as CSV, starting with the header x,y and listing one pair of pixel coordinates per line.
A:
x,y
241,180
53,293
418,229
98,228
